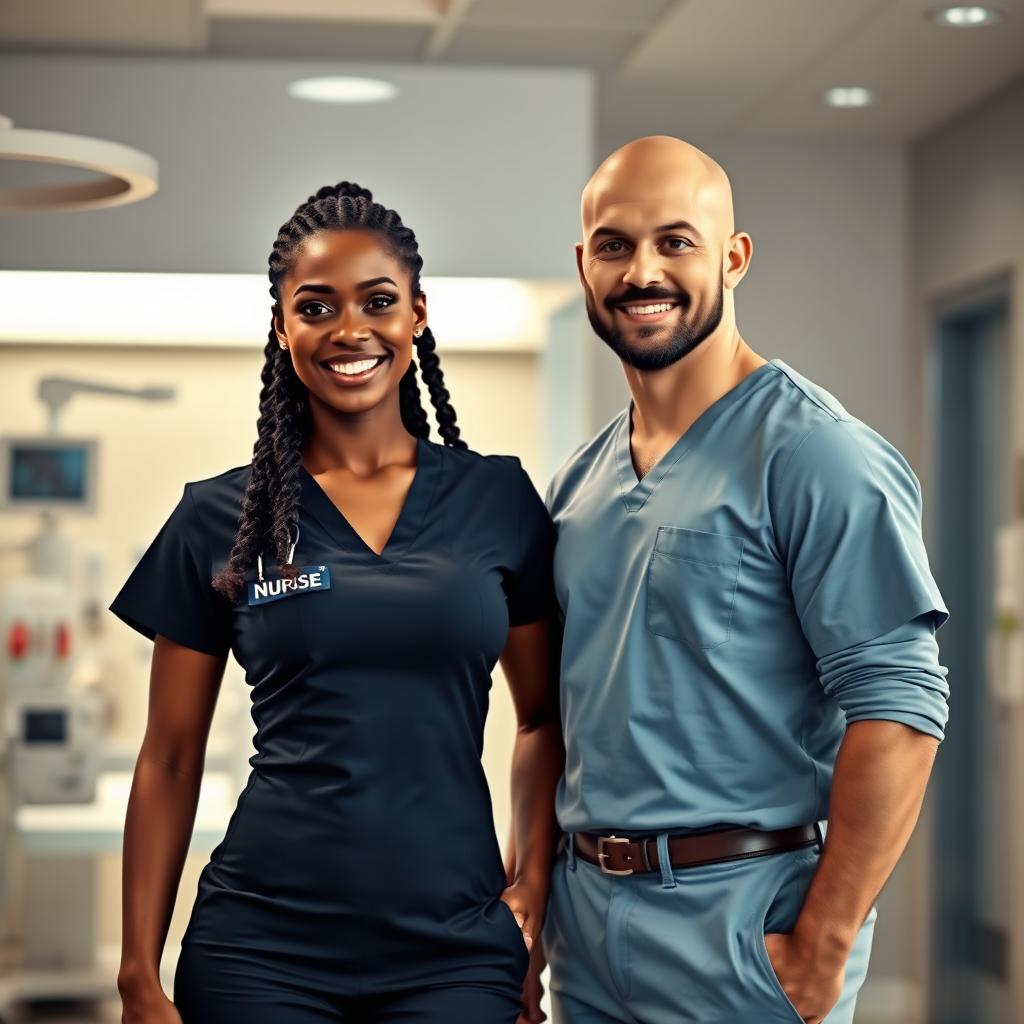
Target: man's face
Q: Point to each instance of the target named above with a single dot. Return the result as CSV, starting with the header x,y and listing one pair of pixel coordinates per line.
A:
x,y
653,281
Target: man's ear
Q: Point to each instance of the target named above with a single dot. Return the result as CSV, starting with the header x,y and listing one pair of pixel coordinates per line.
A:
x,y
738,256
579,262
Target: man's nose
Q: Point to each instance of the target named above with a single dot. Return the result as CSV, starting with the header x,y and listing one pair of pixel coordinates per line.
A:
x,y
644,268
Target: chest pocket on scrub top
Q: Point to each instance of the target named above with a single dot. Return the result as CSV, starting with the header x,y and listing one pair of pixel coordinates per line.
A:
x,y
691,586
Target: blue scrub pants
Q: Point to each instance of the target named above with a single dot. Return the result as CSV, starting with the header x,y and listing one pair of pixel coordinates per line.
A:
x,y
684,945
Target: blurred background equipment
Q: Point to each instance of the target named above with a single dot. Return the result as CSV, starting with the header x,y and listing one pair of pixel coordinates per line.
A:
x,y
63,793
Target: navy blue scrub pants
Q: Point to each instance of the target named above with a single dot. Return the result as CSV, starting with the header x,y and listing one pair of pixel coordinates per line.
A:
x,y
220,988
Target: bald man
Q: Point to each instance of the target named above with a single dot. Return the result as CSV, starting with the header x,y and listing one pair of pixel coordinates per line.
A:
x,y
749,658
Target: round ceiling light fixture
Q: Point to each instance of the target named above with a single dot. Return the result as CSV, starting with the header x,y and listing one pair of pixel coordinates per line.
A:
x,y
342,89
966,16
125,175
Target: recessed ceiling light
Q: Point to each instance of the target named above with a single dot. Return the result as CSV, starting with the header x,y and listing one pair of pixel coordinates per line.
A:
x,y
966,16
342,89
849,96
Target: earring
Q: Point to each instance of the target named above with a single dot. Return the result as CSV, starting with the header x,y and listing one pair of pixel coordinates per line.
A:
x,y
418,333
282,344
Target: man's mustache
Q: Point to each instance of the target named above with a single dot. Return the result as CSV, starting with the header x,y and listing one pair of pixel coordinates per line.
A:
x,y
639,296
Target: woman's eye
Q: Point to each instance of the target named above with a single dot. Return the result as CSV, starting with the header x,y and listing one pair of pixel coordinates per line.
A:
x,y
305,307
382,301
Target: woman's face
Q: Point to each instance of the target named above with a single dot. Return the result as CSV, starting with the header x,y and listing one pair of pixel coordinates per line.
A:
x,y
347,315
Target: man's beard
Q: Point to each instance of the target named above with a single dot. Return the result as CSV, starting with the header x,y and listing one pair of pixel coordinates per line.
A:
x,y
684,338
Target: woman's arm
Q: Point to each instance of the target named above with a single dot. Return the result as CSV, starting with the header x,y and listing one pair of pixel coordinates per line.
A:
x,y
161,812
529,662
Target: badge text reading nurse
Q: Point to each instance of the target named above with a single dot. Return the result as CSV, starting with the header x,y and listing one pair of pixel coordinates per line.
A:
x,y
311,577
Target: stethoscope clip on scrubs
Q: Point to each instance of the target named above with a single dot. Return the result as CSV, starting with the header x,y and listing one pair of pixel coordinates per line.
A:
x,y
310,578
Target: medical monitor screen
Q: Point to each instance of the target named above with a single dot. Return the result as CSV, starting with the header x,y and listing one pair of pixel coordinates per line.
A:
x,y
47,473
44,727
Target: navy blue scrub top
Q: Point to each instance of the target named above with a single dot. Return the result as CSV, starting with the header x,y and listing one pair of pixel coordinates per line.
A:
x,y
365,830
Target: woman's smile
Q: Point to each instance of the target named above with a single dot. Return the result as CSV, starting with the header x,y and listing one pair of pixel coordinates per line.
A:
x,y
351,372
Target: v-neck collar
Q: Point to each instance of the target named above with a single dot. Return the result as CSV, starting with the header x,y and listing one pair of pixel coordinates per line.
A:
x,y
411,518
636,492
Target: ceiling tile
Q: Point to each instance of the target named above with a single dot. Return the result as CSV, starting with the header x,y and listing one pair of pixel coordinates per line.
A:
x,y
316,39
921,72
580,48
730,37
590,15
142,25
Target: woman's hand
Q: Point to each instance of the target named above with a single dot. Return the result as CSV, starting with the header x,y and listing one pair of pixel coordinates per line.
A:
x,y
533,987
527,901
148,1006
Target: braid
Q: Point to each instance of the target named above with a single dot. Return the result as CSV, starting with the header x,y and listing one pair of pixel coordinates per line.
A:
x,y
414,416
269,510
434,379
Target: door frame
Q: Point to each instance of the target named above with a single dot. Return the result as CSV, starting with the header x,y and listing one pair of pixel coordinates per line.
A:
x,y
976,296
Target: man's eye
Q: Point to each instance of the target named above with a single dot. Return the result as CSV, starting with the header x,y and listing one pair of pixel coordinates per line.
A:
x,y
682,243
612,246
305,306
382,301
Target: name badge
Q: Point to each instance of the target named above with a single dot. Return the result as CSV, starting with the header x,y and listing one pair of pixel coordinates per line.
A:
x,y
311,577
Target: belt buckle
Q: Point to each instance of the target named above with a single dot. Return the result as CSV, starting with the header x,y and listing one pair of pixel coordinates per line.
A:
x,y
602,856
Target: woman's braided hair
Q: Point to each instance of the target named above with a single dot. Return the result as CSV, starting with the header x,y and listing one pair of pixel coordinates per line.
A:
x,y
270,505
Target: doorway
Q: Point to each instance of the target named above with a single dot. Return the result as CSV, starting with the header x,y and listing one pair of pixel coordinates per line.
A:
x,y
972,932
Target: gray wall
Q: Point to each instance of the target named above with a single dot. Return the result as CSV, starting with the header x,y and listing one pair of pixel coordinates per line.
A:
x,y
484,164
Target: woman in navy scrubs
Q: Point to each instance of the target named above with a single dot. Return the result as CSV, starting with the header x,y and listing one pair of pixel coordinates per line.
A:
x,y
367,580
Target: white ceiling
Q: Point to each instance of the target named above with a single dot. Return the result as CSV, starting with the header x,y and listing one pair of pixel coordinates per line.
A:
x,y
700,68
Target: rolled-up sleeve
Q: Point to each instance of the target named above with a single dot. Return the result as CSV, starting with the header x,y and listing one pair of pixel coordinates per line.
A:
x,y
896,677
847,513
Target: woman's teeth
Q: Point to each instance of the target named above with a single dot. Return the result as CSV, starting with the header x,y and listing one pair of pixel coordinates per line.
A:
x,y
356,368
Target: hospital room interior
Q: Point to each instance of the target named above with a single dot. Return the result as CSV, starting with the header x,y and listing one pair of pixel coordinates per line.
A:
x,y
149,151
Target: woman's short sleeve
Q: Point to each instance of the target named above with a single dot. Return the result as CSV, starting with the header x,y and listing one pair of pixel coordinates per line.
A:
x,y
529,588
169,592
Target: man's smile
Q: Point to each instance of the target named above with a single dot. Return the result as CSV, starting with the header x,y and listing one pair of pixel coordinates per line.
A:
x,y
646,312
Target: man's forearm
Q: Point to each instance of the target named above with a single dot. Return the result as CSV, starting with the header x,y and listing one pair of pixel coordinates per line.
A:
x,y
881,772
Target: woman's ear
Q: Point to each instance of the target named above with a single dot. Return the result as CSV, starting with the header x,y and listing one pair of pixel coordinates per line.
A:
x,y
419,309
278,323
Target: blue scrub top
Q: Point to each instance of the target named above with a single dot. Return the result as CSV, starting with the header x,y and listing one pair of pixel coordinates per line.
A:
x,y
363,843
726,616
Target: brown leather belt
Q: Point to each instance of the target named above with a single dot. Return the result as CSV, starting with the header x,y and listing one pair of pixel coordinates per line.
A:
x,y
617,855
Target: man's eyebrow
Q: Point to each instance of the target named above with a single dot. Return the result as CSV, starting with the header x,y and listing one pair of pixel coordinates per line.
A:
x,y
678,225
326,289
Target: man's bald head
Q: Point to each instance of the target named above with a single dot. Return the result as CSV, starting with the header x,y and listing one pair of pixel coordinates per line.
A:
x,y
659,167
660,253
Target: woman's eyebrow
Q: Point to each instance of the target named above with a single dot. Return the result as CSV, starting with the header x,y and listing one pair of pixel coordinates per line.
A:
x,y
326,289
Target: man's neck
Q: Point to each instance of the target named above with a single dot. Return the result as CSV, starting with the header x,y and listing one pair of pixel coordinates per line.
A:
x,y
667,402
